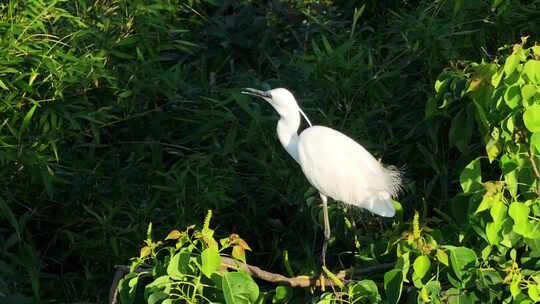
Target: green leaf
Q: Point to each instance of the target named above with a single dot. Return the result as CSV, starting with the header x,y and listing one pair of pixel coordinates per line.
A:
x,y
127,288
6,212
283,294
27,119
471,178
531,118
460,131
493,149
393,285
487,201
510,238
519,212
210,261
509,166
430,292
462,259
532,70
441,84
536,50
327,47
498,211
511,64
179,265
534,246
421,266
535,143
3,85
442,257
534,292
145,251
496,78
157,297
528,92
461,296
364,290
162,283
512,96
239,288
403,262
515,290
492,233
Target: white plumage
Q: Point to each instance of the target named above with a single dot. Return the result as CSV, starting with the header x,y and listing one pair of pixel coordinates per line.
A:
x,y
332,162
342,169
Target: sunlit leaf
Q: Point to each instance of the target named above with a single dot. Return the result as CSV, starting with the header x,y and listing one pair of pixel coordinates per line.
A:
x,y
511,64
145,251
365,289
421,266
179,265
210,261
531,118
532,70
239,253
174,235
528,92
498,211
442,257
462,260
239,288
515,290
470,178
533,290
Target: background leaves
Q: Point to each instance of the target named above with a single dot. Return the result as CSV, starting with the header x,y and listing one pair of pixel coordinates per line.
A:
x,y
119,113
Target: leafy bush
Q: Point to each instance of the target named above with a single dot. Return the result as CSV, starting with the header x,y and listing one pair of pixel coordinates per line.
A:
x,y
498,102
188,270
119,113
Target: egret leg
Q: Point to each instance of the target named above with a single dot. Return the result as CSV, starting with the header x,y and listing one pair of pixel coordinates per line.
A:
x,y
326,228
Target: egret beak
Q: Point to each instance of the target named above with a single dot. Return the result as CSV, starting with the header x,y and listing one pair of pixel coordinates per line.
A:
x,y
257,93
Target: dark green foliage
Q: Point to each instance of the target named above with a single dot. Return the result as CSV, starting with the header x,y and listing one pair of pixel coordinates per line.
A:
x,y
114,114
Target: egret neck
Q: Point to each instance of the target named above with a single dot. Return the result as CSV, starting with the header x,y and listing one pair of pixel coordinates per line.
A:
x,y
287,130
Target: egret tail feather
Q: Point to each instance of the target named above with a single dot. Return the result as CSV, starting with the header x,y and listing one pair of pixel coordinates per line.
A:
x,y
380,206
396,180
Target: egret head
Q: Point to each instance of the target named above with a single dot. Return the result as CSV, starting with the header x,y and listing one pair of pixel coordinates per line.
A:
x,y
281,99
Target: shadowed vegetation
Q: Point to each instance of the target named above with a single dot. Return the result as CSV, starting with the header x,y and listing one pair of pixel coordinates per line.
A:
x,y
115,114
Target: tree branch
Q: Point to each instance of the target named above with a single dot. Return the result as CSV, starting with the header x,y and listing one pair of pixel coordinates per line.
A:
x,y
229,263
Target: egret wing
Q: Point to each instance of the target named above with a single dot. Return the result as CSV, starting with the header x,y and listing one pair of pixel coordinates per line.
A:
x,y
341,168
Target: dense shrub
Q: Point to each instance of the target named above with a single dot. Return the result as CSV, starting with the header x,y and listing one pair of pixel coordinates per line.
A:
x,y
119,113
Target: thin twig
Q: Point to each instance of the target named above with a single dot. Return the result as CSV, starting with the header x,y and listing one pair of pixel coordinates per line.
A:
x,y
536,172
113,292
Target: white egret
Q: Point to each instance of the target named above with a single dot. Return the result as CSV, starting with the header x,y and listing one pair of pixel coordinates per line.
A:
x,y
336,165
